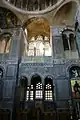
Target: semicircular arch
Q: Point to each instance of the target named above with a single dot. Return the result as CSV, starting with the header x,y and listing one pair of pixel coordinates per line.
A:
x,y
37,77
49,78
37,26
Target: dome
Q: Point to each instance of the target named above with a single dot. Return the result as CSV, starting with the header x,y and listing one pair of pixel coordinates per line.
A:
x,y
32,5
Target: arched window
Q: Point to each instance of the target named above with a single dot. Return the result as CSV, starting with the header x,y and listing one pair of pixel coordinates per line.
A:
x,y
48,89
69,44
5,40
39,46
36,88
39,93
68,40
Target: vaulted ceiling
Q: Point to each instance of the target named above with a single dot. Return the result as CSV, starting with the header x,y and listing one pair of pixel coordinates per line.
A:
x,y
63,13
37,26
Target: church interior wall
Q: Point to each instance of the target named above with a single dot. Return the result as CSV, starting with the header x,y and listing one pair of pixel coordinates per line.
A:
x,y
15,65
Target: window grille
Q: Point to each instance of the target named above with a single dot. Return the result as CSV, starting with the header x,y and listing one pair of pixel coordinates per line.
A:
x,y
48,92
31,93
27,94
38,92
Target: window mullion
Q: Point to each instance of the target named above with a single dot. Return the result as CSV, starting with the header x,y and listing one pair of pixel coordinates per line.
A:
x,y
48,92
68,43
34,90
29,92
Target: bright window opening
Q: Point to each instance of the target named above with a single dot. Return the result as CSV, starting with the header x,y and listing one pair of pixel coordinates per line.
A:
x,y
38,47
27,94
48,92
31,93
39,92
37,37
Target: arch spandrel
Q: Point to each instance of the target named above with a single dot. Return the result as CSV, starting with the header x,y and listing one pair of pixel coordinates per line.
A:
x,y
67,10
8,18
